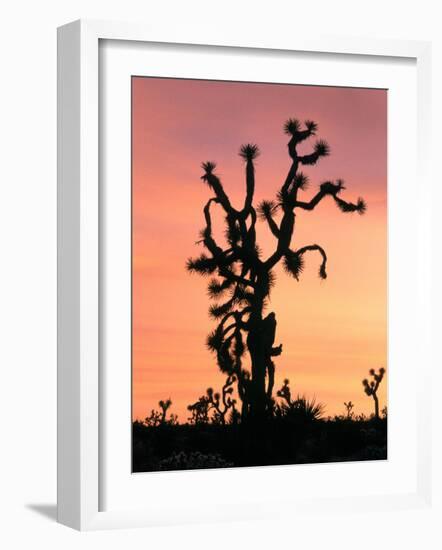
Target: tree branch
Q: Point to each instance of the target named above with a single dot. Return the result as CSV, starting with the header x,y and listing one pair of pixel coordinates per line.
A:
x,y
312,203
209,241
265,211
333,189
249,152
215,183
315,247
321,149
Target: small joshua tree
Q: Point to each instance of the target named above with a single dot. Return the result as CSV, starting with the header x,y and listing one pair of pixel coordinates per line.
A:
x,y
157,418
371,387
285,392
222,404
164,406
349,409
244,279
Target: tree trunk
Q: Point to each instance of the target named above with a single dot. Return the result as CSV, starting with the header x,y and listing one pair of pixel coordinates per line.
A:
x,y
258,403
376,406
258,397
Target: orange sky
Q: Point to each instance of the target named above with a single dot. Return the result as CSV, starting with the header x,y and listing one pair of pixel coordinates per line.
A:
x,y
332,331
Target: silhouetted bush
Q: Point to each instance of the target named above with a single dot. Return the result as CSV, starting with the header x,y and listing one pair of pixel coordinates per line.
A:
x,y
299,409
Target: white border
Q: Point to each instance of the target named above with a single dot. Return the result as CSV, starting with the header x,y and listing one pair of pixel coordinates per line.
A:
x,y
78,270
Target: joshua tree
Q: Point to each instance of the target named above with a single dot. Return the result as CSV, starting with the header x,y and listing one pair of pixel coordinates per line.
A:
x,y
157,418
349,409
221,404
164,406
372,387
244,278
285,393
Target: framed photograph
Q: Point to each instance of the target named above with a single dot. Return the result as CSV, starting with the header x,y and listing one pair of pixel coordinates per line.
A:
x,y
247,362
242,297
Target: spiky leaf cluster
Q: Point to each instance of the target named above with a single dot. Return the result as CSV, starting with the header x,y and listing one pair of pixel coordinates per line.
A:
x,y
249,151
215,340
293,264
292,126
311,126
217,311
208,168
330,188
216,288
344,206
202,265
266,209
301,181
322,148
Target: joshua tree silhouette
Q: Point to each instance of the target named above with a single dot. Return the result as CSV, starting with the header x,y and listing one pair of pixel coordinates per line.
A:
x,y
372,387
157,418
349,409
285,393
220,403
244,278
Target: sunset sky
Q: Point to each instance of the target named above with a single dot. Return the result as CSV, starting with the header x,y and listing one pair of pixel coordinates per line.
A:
x,y
332,331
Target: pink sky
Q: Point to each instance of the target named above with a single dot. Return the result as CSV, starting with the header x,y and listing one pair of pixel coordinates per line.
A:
x,y
332,331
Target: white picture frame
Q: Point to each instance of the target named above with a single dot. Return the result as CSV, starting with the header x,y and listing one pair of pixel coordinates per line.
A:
x,y
80,444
